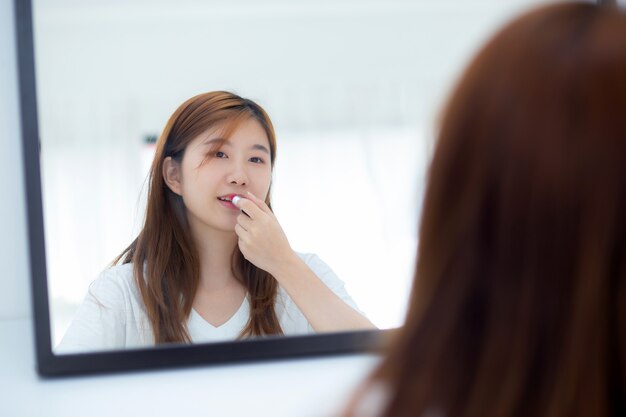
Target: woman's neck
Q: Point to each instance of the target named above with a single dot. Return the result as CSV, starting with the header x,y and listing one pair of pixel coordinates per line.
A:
x,y
215,250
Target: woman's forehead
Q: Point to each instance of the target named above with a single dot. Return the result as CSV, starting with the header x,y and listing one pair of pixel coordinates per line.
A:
x,y
225,127
222,132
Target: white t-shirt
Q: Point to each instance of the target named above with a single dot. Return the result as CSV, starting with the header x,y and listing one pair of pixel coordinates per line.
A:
x,y
113,316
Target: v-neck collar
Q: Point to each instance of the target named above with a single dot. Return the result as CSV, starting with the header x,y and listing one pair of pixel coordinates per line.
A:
x,y
201,330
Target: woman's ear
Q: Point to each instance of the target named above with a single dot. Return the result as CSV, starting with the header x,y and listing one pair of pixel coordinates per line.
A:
x,y
171,175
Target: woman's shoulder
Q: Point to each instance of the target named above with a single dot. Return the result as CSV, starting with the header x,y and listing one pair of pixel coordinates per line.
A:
x,y
117,274
115,282
111,315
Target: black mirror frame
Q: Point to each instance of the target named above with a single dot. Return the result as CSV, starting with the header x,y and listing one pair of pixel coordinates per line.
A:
x,y
49,364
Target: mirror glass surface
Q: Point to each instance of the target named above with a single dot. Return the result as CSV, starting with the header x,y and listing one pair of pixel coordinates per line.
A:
x,y
352,87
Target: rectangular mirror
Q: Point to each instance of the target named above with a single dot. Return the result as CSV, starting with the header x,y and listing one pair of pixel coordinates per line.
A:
x,y
352,89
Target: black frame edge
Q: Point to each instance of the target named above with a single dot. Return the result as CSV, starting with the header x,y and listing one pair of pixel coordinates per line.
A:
x,y
184,356
32,180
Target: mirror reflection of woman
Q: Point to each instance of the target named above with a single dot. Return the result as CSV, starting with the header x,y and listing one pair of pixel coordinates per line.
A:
x,y
208,266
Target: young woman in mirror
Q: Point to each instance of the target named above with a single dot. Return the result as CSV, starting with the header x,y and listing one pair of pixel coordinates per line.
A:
x,y
208,266
518,305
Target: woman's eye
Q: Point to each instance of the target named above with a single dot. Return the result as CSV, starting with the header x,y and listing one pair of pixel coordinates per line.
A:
x,y
220,154
256,160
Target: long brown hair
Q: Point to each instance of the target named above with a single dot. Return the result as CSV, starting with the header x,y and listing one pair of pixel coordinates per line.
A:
x,y
518,306
164,246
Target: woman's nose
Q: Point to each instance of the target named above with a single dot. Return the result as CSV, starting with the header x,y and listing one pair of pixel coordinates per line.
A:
x,y
238,176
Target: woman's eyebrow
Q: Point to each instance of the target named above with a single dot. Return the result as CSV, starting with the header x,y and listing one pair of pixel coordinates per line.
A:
x,y
261,148
225,142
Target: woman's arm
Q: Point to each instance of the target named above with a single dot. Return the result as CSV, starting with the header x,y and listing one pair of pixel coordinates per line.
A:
x,y
323,309
263,242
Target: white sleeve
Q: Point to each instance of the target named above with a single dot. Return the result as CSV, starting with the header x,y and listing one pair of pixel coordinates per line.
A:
x,y
99,321
291,318
328,277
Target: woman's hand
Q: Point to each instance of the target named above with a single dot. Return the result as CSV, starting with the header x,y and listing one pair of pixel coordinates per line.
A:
x,y
261,239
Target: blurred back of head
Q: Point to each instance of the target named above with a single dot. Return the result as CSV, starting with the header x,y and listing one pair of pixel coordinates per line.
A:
x,y
519,300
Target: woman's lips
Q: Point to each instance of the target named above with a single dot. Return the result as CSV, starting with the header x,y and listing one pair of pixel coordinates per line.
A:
x,y
228,197
228,204
226,201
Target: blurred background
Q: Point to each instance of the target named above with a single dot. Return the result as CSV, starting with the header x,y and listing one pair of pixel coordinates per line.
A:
x,y
353,89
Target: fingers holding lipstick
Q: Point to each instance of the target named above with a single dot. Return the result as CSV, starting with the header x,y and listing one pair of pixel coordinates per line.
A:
x,y
252,206
261,239
260,203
